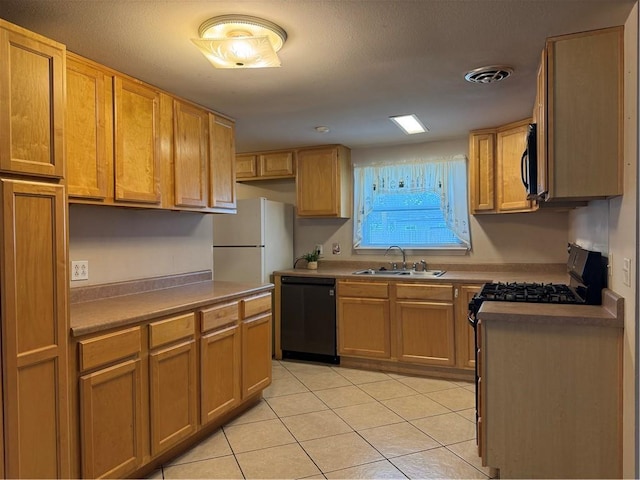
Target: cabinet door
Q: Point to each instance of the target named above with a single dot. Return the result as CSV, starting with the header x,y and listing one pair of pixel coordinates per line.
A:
x,y
173,395
220,372
222,174
585,114
137,142
246,166
33,263
88,102
465,335
425,333
481,171
190,134
318,183
111,420
256,354
541,124
276,164
363,327
32,103
511,142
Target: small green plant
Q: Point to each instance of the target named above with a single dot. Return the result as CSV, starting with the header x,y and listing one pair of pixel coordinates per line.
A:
x,y
311,256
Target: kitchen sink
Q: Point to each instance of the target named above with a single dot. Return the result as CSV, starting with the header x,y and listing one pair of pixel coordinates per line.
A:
x,y
423,273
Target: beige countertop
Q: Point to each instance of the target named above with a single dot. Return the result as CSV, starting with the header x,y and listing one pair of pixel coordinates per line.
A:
x,y
609,314
98,315
552,274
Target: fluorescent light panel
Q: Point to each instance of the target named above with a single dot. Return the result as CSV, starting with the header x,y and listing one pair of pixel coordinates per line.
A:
x,y
409,124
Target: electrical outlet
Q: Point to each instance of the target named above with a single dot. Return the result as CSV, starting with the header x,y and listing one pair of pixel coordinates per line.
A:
x,y
319,249
79,270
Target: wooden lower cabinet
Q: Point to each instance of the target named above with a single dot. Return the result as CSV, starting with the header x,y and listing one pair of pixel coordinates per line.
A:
x,y
143,391
415,324
173,395
465,336
425,332
111,420
364,327
364,319
256,354
220,357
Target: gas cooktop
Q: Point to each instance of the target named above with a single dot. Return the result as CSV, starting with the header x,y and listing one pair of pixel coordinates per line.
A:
x,y
586,269
530,292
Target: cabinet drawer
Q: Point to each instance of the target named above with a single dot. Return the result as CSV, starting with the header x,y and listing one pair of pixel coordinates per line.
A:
x,y
218,316
109,348
171,329
254,306
363,289
424,292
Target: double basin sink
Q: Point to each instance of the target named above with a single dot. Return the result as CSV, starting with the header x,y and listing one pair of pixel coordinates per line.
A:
x,y
417,273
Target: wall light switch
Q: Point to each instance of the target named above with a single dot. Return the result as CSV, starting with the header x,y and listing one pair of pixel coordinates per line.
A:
x,y
79,270
626,271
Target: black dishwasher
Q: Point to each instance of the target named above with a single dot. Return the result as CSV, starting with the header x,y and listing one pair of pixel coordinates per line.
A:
x,y
308,319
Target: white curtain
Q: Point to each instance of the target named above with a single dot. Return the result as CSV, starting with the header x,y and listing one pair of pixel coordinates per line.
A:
x,y
446,177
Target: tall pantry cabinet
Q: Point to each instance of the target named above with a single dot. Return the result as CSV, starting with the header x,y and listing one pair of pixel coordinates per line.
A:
x,y
33,257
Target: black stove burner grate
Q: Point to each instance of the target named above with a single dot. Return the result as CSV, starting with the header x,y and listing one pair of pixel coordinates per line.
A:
x,y
529,292
525,292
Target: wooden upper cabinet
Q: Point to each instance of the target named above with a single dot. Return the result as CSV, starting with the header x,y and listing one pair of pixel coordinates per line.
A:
x,y
323,182
191,154
137,142
35,329
222,174
266,165
32,74
481,171
511,141
584,114
495,181
88,130
277,164
246,166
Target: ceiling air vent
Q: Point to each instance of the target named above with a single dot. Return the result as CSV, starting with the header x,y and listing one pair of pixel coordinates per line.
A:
x,y
491,74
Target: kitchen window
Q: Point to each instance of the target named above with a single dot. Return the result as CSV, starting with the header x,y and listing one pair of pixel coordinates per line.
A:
x,y
417,204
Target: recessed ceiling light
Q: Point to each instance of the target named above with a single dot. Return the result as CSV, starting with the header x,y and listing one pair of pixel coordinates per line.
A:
x,y
409,124
322,129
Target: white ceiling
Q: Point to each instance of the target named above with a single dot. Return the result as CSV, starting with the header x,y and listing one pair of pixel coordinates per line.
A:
x,y
347,64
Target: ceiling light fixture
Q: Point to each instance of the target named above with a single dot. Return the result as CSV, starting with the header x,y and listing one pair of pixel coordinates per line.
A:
x,y
322,129
240,41
409,124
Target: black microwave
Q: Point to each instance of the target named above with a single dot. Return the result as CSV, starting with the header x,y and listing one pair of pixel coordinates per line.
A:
x,y
529,163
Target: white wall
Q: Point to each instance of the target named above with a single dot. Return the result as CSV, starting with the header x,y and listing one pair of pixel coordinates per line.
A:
x,y
610,226
127,244
538,237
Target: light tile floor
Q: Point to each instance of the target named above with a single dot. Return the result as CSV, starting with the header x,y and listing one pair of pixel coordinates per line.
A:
x,y
321,421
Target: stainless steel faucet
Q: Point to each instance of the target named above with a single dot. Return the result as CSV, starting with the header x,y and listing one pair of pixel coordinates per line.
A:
x,y
404,258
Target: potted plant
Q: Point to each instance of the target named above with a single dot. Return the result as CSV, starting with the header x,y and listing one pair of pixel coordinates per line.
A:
x,y
312,259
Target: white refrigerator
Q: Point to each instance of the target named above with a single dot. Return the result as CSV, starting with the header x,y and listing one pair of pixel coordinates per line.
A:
x,y
251,245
